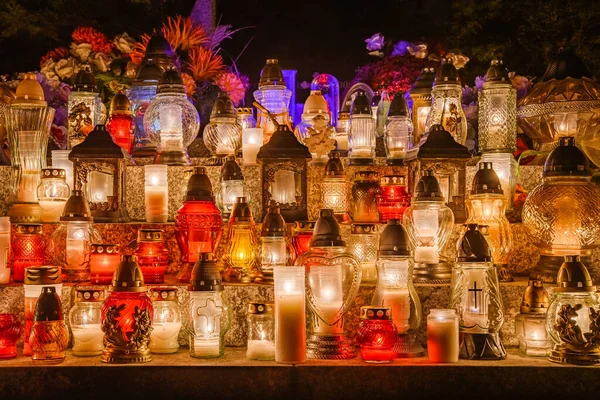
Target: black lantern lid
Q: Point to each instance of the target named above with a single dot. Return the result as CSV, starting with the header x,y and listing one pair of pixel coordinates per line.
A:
x,y
566,160
376,99
273,225
159,48
77,208
428,188
205,275
271,74
566,65
231,171
447,74
223,107
424,82
48,306
171,83
486,180
199,187
496,75
97,144
327,231
360,104
283,145
334,166
128,276
473,247
399,106
241,211
573,276
393,240
148,73
84,81
440,144
120,104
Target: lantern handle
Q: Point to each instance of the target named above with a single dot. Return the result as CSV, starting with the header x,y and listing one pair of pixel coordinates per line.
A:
x,y
267,112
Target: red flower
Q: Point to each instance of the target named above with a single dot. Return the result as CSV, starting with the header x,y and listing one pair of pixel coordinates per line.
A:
x,y
98,40
56,54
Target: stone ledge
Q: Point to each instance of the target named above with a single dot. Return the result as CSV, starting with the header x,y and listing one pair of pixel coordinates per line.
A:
x,y
232,376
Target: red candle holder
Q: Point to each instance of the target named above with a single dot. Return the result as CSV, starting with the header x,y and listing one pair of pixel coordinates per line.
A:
x,y
120,124
376,334
301,235
10,332
104,260
152,255
28,248
394,198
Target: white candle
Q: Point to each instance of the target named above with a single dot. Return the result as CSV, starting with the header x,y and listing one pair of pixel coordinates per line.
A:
x,y
164,337
207,347
442,336
399,301
224,150
290,319
252,140
260,350
427,255
87,340
53,209
342,142
28,187
156,193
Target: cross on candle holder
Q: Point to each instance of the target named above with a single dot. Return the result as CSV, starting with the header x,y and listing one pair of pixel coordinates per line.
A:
x,y
211,311
475,290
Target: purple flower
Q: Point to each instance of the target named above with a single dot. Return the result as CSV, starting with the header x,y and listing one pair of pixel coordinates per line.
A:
x,y
375,42
400,48
479,82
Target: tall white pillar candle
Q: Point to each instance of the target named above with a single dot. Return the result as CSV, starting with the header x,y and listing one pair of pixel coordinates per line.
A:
x,y
156,193
290,319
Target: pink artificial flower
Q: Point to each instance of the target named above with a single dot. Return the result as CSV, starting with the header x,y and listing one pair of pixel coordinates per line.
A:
x,y
233,85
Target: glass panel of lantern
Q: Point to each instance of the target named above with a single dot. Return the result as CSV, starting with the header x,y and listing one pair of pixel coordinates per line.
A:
x,y
505,166
335,188
446,104
530,323
329,87
420,101
99,171
447,160
143,91
241,254
223,135
365,192
284,164
398,131
362,244
120,122
28,122
273,95
83,106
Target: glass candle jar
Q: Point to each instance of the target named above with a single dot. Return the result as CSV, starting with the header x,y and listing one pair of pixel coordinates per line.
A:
x,y
530,323
329,87
60,160
28,248
35,279
84,319
232,187
4,250
275,249
365,191
152,255
143,91
361,134
210,312
167,320
127,316
49,336
290,315
301,236
273,95
442,336
335,188
252,140
10,332
362,244
83,106
394,199
261,331
223,135
398,133
376,334
241,254
341,131
103,262
120,123
156,190
245,118
505,166
53,193
420,99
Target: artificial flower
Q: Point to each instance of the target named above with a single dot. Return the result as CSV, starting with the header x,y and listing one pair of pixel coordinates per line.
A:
x,y
479,82
305,85
375,42
204,64
471,111
459,60
131,70
189,83
139,49
233,85
124,43
55,54
66,68
400,48
182,34
101,61
58,134
417,49
469,94
49,70
81,50
521,83
97,39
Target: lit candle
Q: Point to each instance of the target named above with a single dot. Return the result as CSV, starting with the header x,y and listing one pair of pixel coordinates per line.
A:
x,y
77,236
342,141
399,301
60,159
87,339
442,336
156,193
290,319
260,350
326,285
4,250
165,337
53,209
252,140
207,347
284,187
104,260
28,187
426,225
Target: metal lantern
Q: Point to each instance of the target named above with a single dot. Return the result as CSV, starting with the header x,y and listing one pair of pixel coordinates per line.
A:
x,y
83,109
28,122
171,122
223,135
284,164
420,98
273,95
99,171
446,104
447,160
398,133
232,187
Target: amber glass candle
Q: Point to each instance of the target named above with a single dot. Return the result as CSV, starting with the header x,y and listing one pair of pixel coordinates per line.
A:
x,y
27,249
103,262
